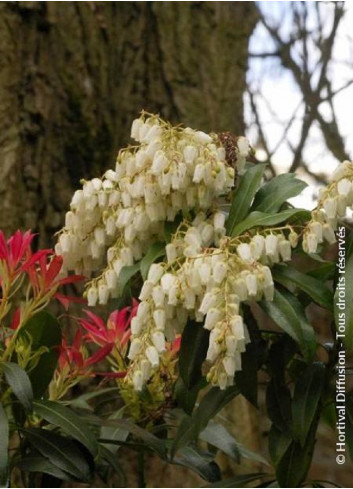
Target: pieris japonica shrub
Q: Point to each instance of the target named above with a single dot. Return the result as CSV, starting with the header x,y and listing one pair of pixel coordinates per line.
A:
x,y
202,282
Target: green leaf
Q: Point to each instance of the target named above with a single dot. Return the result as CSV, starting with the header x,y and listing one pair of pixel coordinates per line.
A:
x,y
44,331
218,436
278,444
286,311
4,447
185,433
278,403
239,480
186,397
112,460
244,195
316,289
307,394
126,274
193,349
293,466
256,219
115,433
62,452
212,402
202,465
43,465
273,194
157,250
19,381
151,441
68,421
324,271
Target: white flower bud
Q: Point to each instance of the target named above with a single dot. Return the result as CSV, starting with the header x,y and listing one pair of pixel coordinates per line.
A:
x,y
237,327
330,206
143,310
229,365
202,137
92,296
158,296
158,341
344,187
160,163
243,146
293,239
111,279
219,220
146,290
199,173
219,272
135,347
189,153
146,369
213,350
205,273
136,325
155,273
285,250
207,302
311,242
271,245
167,281
99,236
77,199
135,129
244,252
251,284
240,289
152,355
138,380
103,294
328,233
159,318
223,381
257,246
212,318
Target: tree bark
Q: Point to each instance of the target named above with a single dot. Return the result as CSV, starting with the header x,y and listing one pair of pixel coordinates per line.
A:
x,y
73,75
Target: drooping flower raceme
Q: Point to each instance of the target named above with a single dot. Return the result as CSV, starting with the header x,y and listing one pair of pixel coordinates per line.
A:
x,y
114,220
333,202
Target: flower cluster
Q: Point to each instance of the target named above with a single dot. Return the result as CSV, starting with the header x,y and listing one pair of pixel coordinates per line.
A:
x,y
114,220
333,202
207,284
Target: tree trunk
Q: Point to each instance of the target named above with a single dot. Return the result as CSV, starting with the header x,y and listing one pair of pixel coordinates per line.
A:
x,y
73,76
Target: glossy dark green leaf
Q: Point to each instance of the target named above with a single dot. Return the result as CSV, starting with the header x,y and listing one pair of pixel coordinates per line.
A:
x,y
62,452
278,444
202,465
185,433
126,274
316,289
293,466
243,196
19,382
323,272
4,446
157,250
306,398
186,397
44,331
239,481
273,194
286,311
217,435
193,349
43,465
278,403
113,460
68,421
115,433
210,405
281,352
256,219
150,440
